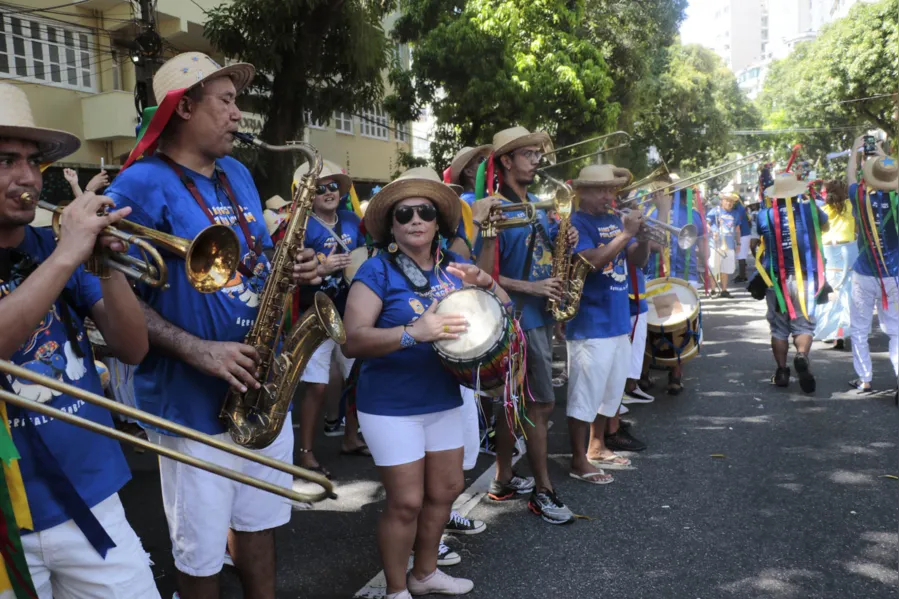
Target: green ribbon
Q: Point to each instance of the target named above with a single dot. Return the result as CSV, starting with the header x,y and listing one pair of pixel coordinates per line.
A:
x,y
688,258
12,552
781,303
8,451
480,182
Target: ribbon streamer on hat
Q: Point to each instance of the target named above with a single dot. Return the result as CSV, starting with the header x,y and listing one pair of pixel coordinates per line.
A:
x,y
149,139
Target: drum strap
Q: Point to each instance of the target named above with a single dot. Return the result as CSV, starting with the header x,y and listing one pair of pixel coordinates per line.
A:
x,y
336,233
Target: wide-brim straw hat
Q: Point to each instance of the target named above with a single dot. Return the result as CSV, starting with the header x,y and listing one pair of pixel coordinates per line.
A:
x,y
881,173
602,175
509,140
17,122
464,156
275,203
786,185
190,69
729,195
330,170
421,182
273,220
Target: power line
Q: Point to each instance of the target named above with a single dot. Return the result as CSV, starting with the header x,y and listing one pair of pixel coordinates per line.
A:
x,y
868,98
25,9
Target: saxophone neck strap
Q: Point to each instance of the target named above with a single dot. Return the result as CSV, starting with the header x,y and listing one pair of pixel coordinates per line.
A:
x,y
255,248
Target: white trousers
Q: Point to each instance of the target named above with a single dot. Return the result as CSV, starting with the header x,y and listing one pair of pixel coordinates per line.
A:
x,y
866,296
638,346
470,430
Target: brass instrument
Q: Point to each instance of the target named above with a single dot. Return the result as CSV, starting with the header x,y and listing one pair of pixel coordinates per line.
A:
x,y
493,226
8,368
657,173
714,172
571,270
552,152
256,417
686,235
211,257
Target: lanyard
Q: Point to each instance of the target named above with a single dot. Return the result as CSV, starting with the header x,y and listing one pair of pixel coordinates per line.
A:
x,y
256,248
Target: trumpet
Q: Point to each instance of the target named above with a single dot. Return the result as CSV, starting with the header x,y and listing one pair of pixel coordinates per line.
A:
x,y
686,235
211,257
19,372
493,226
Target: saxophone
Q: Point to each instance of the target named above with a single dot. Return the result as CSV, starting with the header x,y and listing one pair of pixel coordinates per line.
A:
x,y
255,418
572,270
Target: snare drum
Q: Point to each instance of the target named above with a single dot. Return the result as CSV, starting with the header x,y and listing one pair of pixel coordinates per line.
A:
x,y
357,257
674,321
480,354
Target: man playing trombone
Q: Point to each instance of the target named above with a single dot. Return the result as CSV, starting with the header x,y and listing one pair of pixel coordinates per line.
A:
x,y
71,476
196,348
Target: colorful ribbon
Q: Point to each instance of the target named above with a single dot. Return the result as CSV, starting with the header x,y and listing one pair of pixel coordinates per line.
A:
x,y
781,263
150,138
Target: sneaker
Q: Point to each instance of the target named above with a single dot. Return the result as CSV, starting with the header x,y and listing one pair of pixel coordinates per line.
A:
x,y
638,395
624,441
446,556
488,443
803,370
561,380
460,525
781,377
623,410
725,294
438,583
228,560
334,428
517,485
548,506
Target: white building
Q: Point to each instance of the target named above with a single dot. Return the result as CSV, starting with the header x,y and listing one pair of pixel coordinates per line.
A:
x,y
736,31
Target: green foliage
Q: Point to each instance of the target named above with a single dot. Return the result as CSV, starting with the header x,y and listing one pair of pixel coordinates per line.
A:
x,y
405,160
855,57
311,55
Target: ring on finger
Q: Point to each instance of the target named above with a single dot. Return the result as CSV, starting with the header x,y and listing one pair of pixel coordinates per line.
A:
x,y
446,328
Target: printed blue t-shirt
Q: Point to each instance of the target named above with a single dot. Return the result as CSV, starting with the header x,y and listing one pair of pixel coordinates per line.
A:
x,y
800,210
322,241
164,385
409,381
743,219
93,463
678,218
886,230
513,253
725,223
604,311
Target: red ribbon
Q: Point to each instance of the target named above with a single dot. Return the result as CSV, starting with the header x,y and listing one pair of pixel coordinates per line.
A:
x,y
782,271
147,144
448,175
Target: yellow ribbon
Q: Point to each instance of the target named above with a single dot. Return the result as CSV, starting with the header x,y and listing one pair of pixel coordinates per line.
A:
x,y
874,231
467,221
797,265
354,200
15,483
758,263
653,292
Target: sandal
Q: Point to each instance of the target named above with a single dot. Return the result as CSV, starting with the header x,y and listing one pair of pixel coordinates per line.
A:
x,y
612,462
361,450
674,385
594,478
860,386
319,469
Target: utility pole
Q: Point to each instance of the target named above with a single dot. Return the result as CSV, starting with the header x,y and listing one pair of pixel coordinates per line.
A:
x,y
145,52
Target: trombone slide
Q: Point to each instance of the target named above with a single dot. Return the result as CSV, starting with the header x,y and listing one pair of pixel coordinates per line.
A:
x,y
686,235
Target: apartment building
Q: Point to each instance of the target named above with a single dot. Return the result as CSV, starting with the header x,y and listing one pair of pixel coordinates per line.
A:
x,y
75,64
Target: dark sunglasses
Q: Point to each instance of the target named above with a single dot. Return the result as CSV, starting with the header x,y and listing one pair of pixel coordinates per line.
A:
x,y
323,189
404,214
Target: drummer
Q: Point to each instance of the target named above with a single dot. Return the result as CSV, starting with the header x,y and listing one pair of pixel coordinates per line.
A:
x,y
332,233
409,405
599,346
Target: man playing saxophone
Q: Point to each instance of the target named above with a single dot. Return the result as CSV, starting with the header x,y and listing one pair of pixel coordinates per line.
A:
x,y
599,349
196,348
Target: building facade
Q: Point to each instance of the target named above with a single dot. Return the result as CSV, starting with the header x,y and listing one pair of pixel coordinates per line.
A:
x,y
77,66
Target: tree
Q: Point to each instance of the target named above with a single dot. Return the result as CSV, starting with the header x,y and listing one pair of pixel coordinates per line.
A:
x,y
315,56
839,83
485,65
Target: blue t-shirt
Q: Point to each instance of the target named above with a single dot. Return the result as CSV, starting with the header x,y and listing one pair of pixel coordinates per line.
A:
x,y
886,230
93,463
678,218
164,385
743,219
408,381
320,239
642,307
724,223
513,260
604,310
801,215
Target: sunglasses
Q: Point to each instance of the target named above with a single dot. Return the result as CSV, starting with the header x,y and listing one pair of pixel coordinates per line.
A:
x,y
323,189
404,214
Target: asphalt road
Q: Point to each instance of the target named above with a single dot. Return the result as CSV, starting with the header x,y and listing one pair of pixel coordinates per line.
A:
x,y
800,505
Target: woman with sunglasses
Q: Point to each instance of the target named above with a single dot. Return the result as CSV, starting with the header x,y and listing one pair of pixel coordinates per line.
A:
x,y
332,233
409,406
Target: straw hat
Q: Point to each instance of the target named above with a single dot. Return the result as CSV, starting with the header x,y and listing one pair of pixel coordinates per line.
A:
x,y
881,173
464,156
786,185
602,175
276,203
190,69
330,170
509,140
457,189
17,122
273,220
416,182
729,195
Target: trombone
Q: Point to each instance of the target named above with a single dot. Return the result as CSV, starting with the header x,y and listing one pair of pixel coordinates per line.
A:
x,y
686,235
211,258
14,370
553,151
659,171
714,172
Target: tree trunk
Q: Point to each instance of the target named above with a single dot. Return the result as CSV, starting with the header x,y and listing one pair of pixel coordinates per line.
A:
x,y
284,122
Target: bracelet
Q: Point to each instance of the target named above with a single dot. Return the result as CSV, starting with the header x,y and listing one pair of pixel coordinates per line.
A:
x,y
478,223
407,340
509,306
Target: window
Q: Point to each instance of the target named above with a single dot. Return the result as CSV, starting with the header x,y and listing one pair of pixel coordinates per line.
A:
x,y
373,123
343,122
307,117
42,52
402,132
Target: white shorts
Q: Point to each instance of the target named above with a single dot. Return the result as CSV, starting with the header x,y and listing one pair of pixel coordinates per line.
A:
x,y
200,506
725,264
318,370
471,431
638,346
597,373
64,565
744,247
395,440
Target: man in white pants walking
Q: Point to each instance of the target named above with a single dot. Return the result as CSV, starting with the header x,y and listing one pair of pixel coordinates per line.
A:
x,y
874,281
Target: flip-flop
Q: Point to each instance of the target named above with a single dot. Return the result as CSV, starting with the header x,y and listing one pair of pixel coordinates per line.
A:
x,y
613,462
362,450
859,386
593,478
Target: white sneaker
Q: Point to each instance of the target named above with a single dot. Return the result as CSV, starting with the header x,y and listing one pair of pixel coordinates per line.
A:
x,y
638,395
623,410
438,583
